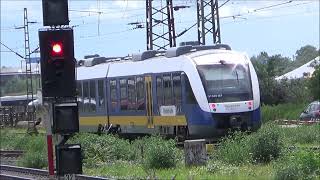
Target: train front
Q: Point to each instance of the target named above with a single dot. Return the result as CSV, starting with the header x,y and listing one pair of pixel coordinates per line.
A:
x,y
232,91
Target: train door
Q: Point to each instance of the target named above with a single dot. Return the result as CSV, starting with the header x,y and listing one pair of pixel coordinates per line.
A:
x,y
149,104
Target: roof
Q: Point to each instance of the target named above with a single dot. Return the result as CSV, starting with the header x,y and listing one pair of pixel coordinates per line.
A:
x,y
157,64
302,70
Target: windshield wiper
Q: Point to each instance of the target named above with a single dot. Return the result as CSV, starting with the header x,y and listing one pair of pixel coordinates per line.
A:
x,y
237,76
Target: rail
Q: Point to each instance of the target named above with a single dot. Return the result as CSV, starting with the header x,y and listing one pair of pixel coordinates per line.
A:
x,y
15,173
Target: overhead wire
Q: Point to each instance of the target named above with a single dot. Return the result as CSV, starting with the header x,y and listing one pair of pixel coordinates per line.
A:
x,y
239,15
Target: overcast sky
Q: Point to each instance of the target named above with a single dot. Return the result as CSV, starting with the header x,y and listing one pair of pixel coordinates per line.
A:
x,y
276,29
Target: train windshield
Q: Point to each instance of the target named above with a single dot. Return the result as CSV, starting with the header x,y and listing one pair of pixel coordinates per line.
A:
x,y
226,82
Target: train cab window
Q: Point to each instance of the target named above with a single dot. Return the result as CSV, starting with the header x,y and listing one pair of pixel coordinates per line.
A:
x,y
86,103
176,79
140,93
132,94
167,90
92,99
159,91
101,101
113,94
190,99
123,94
80,97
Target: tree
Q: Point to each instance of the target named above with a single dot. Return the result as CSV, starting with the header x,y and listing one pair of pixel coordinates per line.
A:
x,y
314,84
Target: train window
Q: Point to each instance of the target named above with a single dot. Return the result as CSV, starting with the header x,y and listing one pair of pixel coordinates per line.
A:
x,y
80,97
167,90
101,101
123,94
131,94
140,93
113,94
86,103
177,91
159,91
92,96
189,93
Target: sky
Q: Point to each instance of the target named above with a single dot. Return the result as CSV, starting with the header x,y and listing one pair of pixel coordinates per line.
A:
x,y
251,26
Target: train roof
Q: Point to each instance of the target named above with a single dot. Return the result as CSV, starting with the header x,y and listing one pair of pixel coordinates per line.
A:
x,y
149,62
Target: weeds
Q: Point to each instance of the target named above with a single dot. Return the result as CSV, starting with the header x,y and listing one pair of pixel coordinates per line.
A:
x,y
159,153
265,145
298,165
234,149
281,111
302,135
35,156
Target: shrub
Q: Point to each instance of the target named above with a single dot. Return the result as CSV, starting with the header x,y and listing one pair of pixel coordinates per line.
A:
x,y
266,144
105,148
159,153
299,165
261,146
289,172
234,149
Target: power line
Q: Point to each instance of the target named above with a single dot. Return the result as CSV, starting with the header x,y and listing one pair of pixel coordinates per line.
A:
x,y
107,34
186,30
12,50
270,17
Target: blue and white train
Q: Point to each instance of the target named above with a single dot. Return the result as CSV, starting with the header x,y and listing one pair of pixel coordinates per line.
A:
x,y
188,91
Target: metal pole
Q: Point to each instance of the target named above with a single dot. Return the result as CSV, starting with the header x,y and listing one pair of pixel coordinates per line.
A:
x,y
47,123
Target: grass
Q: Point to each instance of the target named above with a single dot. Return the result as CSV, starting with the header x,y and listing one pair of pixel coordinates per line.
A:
x,y
282,111
126,170
33,145
302,135
236,157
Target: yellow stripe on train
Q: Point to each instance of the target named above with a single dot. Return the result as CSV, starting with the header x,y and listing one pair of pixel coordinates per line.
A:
x,y
135,120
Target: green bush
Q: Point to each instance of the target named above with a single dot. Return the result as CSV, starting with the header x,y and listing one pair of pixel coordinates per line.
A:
x,y
299,165
234,149
102,149
289,172
241,148
266,144
159,153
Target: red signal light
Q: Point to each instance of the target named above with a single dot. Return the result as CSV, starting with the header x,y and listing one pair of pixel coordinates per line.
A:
x,y
56,49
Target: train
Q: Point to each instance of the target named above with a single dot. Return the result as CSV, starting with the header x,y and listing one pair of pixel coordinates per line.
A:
x,y
186,92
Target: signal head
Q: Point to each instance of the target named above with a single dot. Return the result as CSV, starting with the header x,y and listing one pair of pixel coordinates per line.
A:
x,y
56,49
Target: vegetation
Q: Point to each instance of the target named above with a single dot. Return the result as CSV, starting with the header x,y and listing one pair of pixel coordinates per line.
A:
x,y
270,153
314,84
286,91
288,111
303,164
34,146
17,86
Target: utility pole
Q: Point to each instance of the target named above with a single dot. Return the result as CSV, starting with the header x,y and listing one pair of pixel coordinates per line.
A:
x,y
30,110
160,26
208,21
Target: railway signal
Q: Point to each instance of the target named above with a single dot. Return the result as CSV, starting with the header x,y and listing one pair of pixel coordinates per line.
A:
x,y
57,62
55,12
59,86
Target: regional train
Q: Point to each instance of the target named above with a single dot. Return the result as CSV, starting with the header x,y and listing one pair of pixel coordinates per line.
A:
x,y
187,91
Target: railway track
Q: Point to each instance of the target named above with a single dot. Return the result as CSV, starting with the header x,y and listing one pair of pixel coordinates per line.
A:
x,y
10,157
18,173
